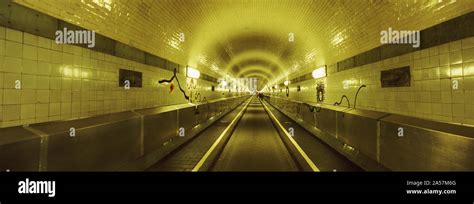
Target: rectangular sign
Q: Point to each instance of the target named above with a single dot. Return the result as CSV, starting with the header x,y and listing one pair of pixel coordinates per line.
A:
x,y
397,77
130,78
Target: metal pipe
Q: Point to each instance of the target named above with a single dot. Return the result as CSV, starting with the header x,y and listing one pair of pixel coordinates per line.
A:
x,y
357,93
347,99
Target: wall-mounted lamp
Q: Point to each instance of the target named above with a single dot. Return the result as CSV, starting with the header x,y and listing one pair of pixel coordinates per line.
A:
x,y
193,73
224,83
319,72
287,82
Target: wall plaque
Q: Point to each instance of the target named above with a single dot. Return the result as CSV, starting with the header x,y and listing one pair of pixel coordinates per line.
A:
x,y
397,77
132,77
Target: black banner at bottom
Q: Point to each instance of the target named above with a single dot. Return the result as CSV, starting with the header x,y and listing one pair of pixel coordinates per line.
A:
x,y
405,187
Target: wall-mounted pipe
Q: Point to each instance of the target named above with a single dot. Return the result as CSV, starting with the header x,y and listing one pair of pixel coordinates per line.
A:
x,y
339,103
179,85
357,93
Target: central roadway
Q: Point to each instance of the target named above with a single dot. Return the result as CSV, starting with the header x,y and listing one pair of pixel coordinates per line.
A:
x,y
255,145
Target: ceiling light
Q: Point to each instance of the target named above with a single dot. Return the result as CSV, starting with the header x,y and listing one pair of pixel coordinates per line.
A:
x,y
319,72
193,73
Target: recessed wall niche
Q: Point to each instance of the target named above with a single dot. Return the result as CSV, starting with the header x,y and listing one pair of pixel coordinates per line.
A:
x,y
134,77
397,77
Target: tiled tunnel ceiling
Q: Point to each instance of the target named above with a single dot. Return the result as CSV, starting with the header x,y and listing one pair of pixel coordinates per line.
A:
x,y
251,37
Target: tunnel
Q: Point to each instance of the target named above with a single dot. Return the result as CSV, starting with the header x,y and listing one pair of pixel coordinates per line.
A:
x,y
236,86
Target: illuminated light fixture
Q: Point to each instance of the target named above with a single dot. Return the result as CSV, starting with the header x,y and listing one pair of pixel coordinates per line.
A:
x,y
193,73
224,83
319,72
287,82
276,86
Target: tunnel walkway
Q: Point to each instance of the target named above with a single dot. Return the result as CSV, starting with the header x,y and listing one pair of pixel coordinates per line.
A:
x,y
326,158
186,157
254,144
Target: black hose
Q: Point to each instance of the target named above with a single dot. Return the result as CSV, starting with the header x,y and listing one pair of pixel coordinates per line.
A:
x,y
179,85
348,103
357,93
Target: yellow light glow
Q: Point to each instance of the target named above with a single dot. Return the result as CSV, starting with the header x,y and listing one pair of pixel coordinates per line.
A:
x,y
174,43
193,73
319,72
107,4
67,71
215,68
287,82
223,83
218,37
85,74
348,83
76,72
338,38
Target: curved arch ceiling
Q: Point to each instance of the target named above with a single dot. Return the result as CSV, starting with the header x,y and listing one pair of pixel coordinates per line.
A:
x,y
261,75
260,70
222,37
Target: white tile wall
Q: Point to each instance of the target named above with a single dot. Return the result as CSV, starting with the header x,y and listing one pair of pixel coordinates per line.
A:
x,y
66,81
431,94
